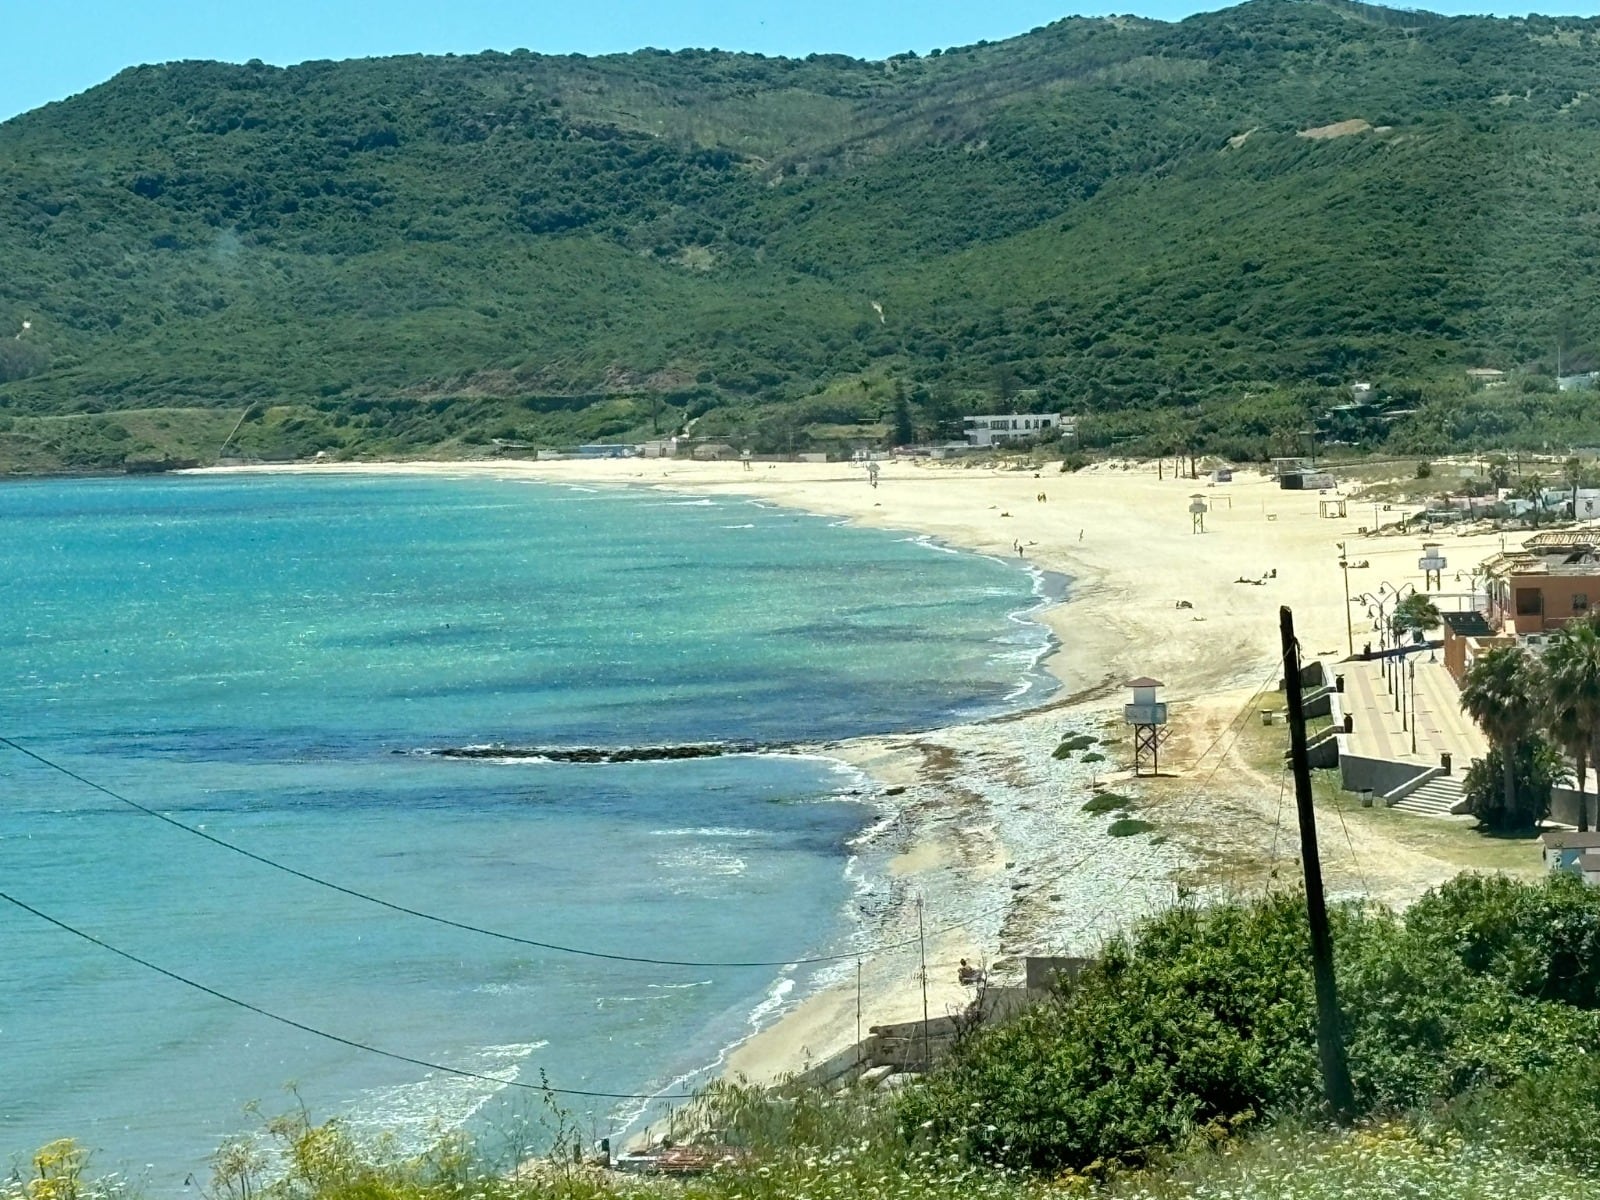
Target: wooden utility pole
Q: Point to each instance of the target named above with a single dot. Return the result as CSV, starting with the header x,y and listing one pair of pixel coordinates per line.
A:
x,y
1330,1042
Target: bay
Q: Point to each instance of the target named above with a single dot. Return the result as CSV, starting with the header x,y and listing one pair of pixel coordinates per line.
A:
x,y
263,657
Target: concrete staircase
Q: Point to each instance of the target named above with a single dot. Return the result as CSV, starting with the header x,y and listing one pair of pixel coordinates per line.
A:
x,y
1433,799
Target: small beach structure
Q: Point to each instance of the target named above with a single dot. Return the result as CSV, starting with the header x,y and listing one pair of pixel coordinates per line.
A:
x,y
1431,564
1306,481
1148,717
1197,513
1566,850
1297,465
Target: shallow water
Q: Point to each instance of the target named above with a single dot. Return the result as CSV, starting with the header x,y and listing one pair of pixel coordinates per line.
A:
x,y
258,656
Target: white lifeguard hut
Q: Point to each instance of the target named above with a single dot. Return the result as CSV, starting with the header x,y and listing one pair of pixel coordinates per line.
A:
x,y
1148,717
1432,565
1197,512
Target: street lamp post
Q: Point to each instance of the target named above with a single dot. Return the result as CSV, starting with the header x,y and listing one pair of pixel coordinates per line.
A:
x,y
1391,643
1401,674
1413,666
1349,629
1380,609
1377,628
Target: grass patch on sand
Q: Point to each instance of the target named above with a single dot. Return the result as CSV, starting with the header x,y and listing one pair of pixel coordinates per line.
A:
x,y
1107,802
1457,844
1072,743
1129,826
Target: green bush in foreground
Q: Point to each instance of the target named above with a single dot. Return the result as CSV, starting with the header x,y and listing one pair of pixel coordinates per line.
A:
x,y
1552,1116
1381,1162
1534,1140
1205,1017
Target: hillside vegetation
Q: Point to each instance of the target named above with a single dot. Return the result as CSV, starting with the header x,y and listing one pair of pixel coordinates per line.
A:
x,y
1118,217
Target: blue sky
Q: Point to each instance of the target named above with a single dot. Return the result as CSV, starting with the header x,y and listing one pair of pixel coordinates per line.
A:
x,y
50,49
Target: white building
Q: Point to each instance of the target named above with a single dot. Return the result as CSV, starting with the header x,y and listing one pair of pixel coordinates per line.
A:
x,y
1556,500
996,429
1560,499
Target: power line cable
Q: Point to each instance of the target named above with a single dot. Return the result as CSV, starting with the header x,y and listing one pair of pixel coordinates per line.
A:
x,y
447,921
1355,859
1277,820
321,1033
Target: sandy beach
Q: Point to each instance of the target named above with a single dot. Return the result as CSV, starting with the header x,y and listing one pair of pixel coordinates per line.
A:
x,y
982,825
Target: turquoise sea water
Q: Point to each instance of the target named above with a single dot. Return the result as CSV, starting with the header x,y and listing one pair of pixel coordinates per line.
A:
x,y
260,656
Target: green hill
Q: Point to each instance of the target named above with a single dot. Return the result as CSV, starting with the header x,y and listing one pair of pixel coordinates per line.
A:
x,y
1118,217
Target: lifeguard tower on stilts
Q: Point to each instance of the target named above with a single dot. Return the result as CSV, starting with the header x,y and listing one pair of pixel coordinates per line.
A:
x,y
1148,716
1432,565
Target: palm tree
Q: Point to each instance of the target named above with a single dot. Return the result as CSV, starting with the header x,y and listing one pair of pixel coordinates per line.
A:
x,y
1504,693
1416,614
1531,489
1572,715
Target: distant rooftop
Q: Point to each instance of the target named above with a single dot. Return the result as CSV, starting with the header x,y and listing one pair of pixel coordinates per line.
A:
x,y
1559,539
1468,624
1570,839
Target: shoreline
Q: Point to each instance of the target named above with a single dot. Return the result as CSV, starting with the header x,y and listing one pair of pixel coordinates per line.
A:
x,y
987,823
819,1017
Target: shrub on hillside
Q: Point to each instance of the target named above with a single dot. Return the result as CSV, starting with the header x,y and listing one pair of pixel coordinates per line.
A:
x,y
1549,1116
1203,1015
1542,942
1200,1016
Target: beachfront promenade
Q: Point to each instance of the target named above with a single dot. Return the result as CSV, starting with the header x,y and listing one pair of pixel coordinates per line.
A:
x,y
1442,728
